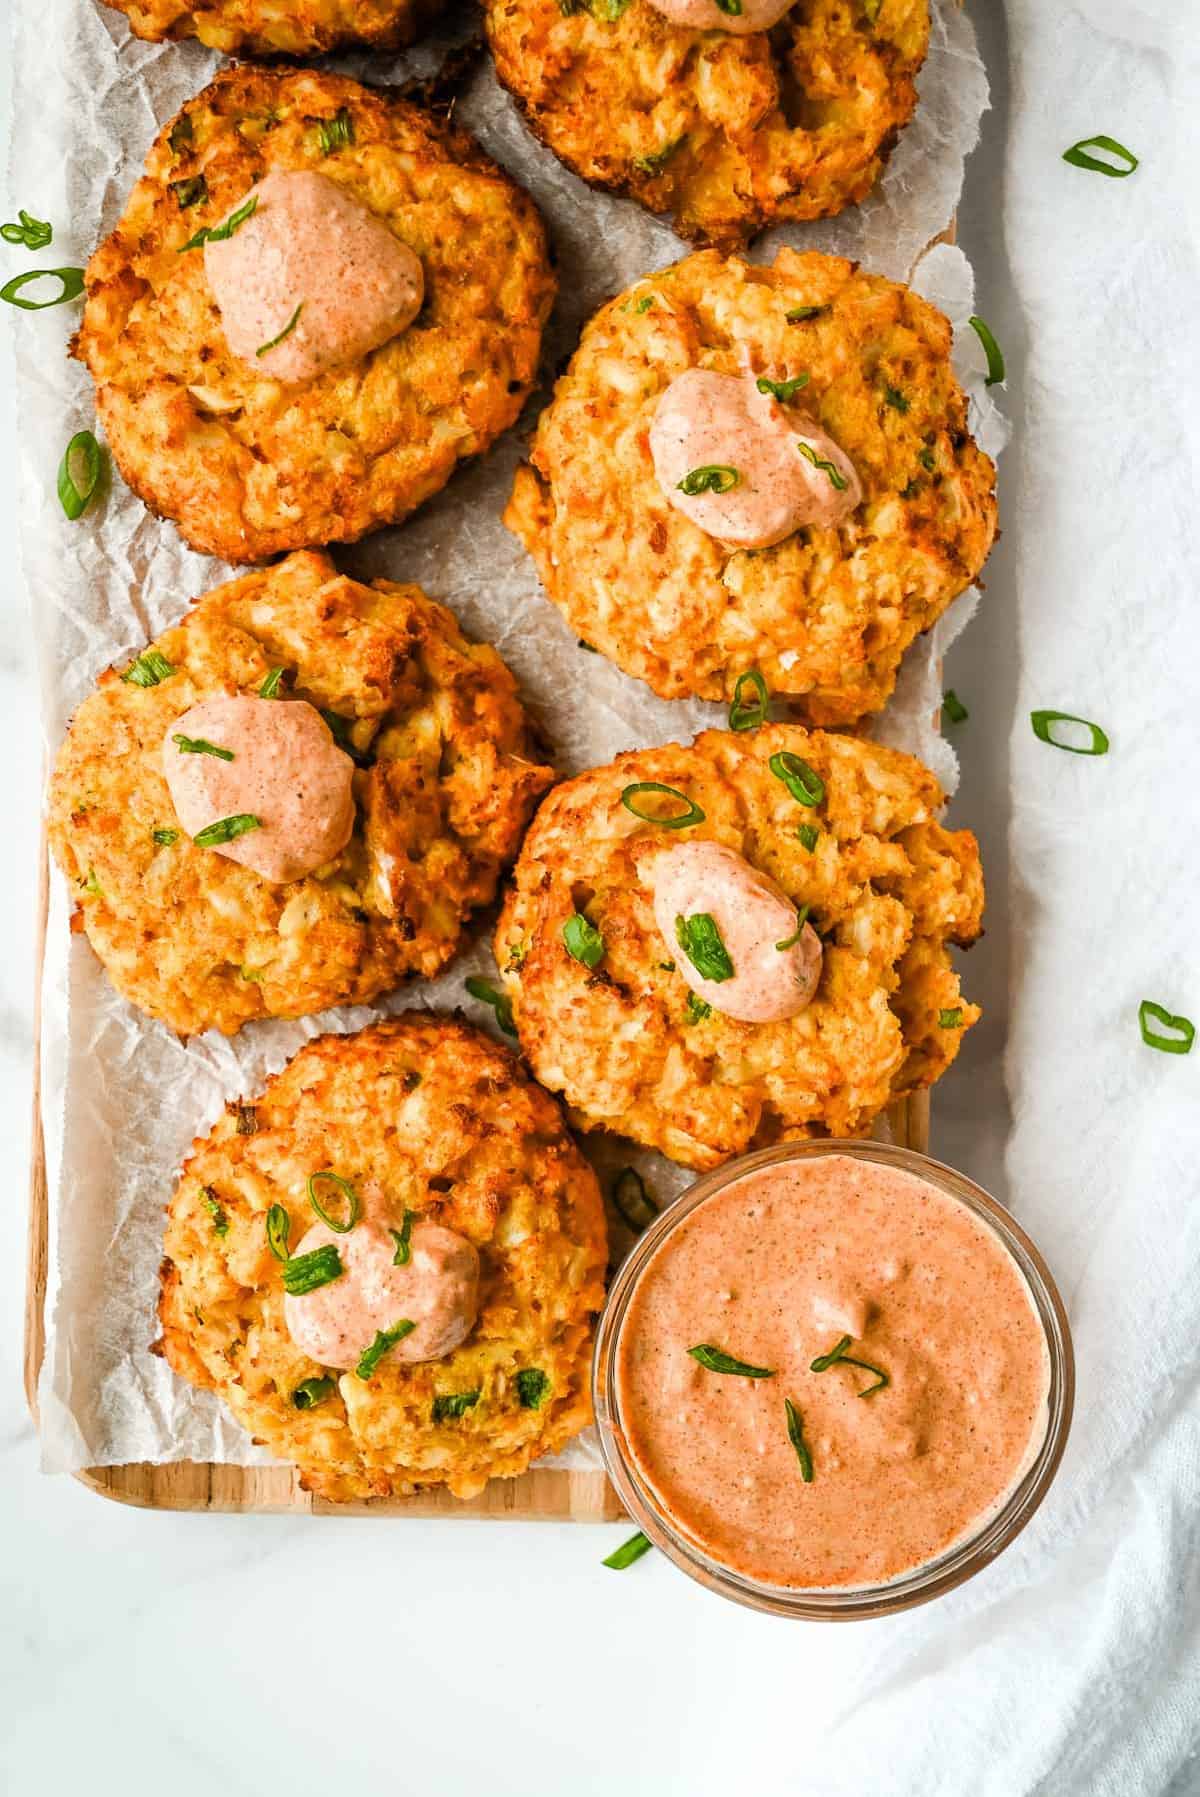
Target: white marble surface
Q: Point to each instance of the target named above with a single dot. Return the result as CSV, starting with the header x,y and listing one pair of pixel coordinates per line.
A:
x,y
260,1654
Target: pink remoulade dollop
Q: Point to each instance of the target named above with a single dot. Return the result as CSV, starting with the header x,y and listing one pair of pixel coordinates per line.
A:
x,y
706,15
438,1290
710,420
308,244
287,771
769,983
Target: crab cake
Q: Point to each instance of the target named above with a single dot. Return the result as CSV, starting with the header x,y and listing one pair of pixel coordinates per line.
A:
x,y
296,28
473,1219
716,947
318,302
862,505
730,114
295,798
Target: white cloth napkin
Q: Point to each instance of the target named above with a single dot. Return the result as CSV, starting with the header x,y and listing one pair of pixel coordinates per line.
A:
x,y
1072,1667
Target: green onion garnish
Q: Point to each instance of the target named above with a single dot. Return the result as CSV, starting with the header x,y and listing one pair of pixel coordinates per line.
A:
x,y
731,8
801,314
715,1360
164,838
212,1205
270,686
454,1404
287,330
927,460
953,709
638,308
226,829
79,473
633,1200
181,132
700,940
33,233
837,480
279,1227
950,1020
684,821
782,390
339,729
1044,721
837,1356
149,668
656,161
532,1386
71,286
335,133
991,349
696,1009
895,399
222,232
801,920
500,1002
1180,1043
709,479
795,1429
385,1340
348,1193
749,714
809,835
199,745
803,782
628,1552
403,1239
313,1392
583,940
190,192
1078,156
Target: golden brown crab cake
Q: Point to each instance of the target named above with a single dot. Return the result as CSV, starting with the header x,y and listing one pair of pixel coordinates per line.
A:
x,y
436,1134
249,463
280,27
622,1033
445,777
825,614
729,133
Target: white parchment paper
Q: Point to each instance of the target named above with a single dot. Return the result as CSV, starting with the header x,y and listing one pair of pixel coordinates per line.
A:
x,y
122,1098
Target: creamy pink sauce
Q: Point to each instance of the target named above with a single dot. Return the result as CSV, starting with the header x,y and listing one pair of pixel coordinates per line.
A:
x,y
286,770
706,15
773,1270
707,420
308,244
753,916
438,1290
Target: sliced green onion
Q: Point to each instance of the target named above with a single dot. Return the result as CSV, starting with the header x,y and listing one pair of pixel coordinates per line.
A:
x,y
638,308
149,668
696,1009
212,1205
190,192
92,884
709,479
693,814
950,1020
991,349
500,1002
385,1340
1180,1043
32,233
403,1239
927,460
1078,156
454,1404
609,11
895,399
837,479
181,132
270,686
715,1360
532,1386
803,782
79,473
749,714
809,836
731,8
287,330
953,709
279,1227
633,1200
335,133
339,729
656,161
628,1552
164,838
225,230
801,920
795,1429
1043,724
226,829
782,390
348,1193
313,1392
583,940
801,314
71,280
837,1356
700,939
200,745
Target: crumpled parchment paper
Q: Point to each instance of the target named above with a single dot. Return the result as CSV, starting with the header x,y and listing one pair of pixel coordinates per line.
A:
x,y
123,1098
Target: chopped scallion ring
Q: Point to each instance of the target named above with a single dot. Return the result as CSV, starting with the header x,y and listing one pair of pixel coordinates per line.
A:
x,y
312,1392
279,1227
809,835
837,479
795,1429
287,330
693,814
583,940
348,1193
749,714
270,686
1043,726
453,1405
200,745
335,133
79,473
697,1008
385,1340
700,939
633,1200
953,709
500,1002
226,829
164,838
149,668
709,479
71,286
715,1360
783,391
1078,156
628,1552
192,191
215,1210
991,349
837,1356
306,1273
403,1239
32,233
532,1386
1179,1043
220,233
801,920
801,314
951,1019
803,782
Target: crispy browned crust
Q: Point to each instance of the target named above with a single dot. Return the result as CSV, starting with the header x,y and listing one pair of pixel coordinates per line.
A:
x,y
728,134
826,615
889,889
301,28
247,467
448,777
446,1123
